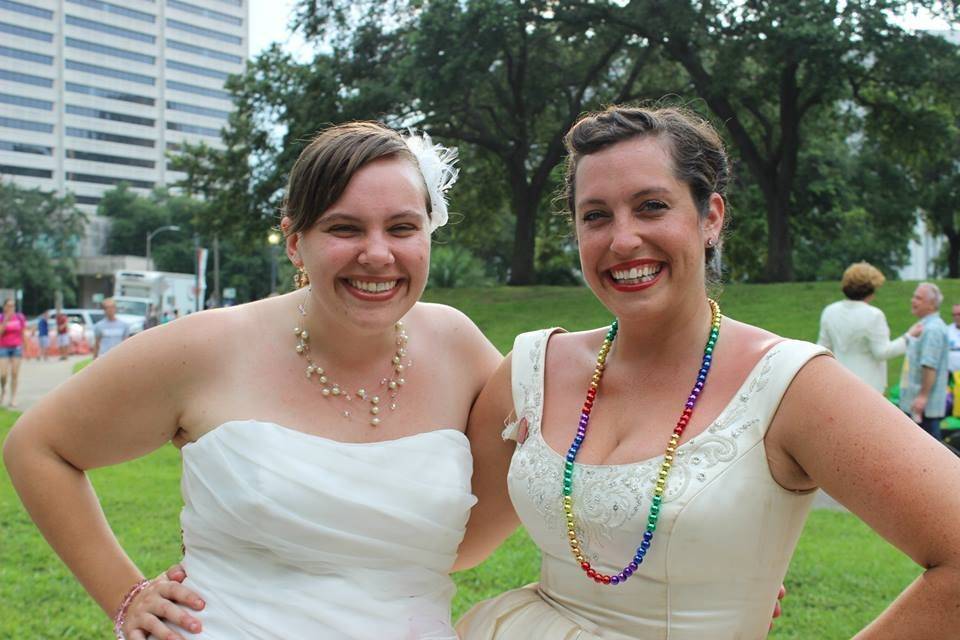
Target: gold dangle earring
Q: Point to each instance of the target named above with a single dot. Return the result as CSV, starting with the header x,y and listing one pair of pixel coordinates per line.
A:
x,y
300,278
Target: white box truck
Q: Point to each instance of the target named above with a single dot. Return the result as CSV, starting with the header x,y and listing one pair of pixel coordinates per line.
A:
x,y
135,291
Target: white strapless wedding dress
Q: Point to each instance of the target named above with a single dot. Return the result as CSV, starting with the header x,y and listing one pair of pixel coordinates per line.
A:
x,y
293,536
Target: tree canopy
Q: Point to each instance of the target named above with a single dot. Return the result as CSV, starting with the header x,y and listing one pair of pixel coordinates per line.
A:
x,y
39,232
801,90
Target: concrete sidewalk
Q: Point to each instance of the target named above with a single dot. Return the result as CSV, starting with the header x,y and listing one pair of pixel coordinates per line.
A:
x,y
38,378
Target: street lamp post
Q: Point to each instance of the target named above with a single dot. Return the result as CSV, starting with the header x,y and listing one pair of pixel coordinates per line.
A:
x,y
274,239
169,227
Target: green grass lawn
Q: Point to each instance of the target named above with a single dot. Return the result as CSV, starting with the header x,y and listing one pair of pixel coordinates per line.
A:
x,y
841,576
80,365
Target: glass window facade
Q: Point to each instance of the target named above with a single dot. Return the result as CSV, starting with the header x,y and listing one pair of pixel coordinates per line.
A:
x,y
109,28
194,69
94,200
25,78
191,128
29,56
109,137
200,111
109,115
110,73
202,91
86,177
109,7
206,13
23,147
23,101
19,7
25,171
109,93
76,43
103,157
203,51
26,125
24,32
200,31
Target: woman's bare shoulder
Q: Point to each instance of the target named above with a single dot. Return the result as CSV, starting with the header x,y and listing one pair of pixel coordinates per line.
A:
x,y
447,324
750,341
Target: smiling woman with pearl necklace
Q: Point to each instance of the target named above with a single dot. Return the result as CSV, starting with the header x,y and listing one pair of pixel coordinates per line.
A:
x,y
689,541
316,505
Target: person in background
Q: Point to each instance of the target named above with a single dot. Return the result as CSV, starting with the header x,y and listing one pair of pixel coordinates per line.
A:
x,y
43,334
63,335
110,331
152,319
953,340
923,384
857,332
12,327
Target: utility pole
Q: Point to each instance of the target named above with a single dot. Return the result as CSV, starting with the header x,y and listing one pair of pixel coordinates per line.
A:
x,y
216,270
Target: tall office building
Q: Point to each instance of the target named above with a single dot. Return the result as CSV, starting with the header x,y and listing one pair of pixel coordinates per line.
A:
x,y
94,93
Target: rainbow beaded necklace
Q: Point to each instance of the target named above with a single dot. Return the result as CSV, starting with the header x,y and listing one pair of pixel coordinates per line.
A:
x,y
575,545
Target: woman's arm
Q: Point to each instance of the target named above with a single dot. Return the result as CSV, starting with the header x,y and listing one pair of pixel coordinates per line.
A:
x,y
870,457
492,519
117,409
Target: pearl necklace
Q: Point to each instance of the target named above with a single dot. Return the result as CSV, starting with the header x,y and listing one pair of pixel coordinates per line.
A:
x,y
576,547
331,389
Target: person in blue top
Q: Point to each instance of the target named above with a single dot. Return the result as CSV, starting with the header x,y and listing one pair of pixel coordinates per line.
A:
x,y
923,386
43,334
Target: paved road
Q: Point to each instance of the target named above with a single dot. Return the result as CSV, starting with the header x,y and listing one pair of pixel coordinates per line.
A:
x,y
37,378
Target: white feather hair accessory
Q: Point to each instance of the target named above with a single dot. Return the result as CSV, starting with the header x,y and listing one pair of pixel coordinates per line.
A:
x,y
437,166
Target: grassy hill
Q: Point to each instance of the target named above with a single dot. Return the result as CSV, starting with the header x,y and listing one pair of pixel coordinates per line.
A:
x,y
841,576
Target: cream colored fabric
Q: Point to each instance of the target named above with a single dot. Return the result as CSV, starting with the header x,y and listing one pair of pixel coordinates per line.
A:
x,y
289,535
724,539
858,335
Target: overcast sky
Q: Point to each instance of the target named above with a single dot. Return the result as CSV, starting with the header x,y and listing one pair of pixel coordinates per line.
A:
x,y
268,23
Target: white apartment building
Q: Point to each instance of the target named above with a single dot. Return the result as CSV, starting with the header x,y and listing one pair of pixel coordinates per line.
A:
x,y
94,93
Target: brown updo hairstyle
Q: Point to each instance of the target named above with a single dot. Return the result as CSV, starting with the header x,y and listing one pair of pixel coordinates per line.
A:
x,y
699,157
861,279
325,167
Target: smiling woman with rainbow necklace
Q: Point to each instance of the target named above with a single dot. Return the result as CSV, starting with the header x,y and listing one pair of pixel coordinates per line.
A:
x,y
668,495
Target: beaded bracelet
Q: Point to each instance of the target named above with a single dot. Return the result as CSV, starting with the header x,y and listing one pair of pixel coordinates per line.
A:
x,y
122,611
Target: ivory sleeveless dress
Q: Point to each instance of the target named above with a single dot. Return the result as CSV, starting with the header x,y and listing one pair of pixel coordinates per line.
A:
x,y
724,538
291,536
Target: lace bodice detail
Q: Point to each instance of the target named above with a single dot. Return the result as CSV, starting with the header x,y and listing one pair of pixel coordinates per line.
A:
x,y
608,496
718,490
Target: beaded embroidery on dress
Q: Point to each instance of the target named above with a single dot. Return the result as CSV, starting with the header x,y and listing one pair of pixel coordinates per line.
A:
x,y
706,576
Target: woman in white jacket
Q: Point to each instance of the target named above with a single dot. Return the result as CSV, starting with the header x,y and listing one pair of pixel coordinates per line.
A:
x,y
857,332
